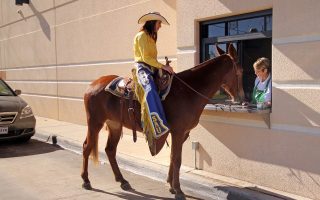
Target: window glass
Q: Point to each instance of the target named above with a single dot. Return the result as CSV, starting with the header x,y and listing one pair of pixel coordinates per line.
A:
x,y
4,90
216,30
211,51
246,26
268,23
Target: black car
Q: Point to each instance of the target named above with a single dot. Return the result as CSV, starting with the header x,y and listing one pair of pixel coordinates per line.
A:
x,y
17,121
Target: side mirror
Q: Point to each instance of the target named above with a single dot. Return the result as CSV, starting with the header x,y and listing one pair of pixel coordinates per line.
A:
x,y
21,2
18,92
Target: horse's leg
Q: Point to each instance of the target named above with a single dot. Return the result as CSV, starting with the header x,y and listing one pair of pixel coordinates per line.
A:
x,y
115,131
170,173
176,153
89,143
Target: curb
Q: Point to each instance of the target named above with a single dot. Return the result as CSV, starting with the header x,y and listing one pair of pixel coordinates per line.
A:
x,y
206,189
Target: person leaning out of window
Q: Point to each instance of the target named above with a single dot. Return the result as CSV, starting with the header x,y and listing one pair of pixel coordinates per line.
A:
x,y
261,94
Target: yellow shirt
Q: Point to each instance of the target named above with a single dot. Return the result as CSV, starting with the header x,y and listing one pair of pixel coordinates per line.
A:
x,y
145,50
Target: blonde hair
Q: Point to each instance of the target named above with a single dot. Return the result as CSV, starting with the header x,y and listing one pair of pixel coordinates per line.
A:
x,y
262,63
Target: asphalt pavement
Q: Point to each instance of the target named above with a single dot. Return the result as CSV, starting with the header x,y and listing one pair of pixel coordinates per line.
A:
x,y
41,171
135,157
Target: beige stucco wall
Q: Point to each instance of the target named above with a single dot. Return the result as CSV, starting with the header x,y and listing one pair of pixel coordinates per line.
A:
x,y
284,156
58,47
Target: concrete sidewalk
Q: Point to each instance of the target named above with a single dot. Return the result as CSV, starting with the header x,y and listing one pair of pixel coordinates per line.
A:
x,y
136,158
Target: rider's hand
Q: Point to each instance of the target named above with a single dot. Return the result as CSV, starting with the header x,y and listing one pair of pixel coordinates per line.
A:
x,y
168,68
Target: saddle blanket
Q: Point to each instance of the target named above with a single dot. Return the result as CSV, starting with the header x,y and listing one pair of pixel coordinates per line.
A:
x,y
117,87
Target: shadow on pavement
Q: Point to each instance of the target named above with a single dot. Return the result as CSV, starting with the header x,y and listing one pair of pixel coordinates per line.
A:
x,y
18,149
248,193
136,195
132,195
269,193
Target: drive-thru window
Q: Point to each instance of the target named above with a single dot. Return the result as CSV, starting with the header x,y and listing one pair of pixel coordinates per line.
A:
x,y
251,34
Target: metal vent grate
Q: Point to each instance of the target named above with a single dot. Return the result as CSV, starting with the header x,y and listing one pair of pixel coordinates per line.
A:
x,y
7,117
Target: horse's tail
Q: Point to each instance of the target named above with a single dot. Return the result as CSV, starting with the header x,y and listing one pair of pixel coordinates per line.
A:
x,y
93,130
93,99
94,151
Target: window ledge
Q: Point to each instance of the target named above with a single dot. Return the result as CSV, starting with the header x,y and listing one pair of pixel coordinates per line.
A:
x,y
229,115
236,108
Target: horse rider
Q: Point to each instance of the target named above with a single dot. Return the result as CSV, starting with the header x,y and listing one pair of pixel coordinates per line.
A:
x,y
146,66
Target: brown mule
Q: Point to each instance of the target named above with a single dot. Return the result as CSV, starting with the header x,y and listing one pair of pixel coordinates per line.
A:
x,y
183,107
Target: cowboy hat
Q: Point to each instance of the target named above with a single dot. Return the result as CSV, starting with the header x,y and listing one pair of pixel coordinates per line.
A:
x,y
152,16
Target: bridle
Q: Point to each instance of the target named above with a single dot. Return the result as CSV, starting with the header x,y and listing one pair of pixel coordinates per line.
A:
x,y
234,67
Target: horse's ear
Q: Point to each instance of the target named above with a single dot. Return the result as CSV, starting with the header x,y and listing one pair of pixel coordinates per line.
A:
x,y
232,51
219,51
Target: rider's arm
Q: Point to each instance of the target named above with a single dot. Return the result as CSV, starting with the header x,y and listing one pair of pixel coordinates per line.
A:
x,y
146,50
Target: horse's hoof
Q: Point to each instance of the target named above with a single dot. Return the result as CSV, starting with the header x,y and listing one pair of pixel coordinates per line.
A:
x,y
87,186
126,186
180,196
172,191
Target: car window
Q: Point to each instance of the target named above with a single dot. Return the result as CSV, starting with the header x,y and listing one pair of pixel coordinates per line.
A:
x,y
5,90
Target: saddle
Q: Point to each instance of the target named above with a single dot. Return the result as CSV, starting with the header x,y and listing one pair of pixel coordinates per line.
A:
x,y
121,87
124,88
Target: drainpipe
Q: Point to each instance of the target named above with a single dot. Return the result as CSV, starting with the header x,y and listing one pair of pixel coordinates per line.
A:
x,y
195,147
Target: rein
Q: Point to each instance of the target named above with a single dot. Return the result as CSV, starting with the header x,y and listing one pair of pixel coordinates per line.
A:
x,y
191,88
202,95
237,75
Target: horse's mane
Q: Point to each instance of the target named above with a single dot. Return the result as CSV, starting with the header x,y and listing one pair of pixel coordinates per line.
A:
x,y
205,63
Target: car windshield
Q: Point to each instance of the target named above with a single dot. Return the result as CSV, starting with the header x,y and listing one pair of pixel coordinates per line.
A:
x,y
5,90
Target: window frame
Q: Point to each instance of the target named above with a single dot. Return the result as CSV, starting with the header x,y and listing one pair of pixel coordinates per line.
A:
x,y
233,38
206,41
